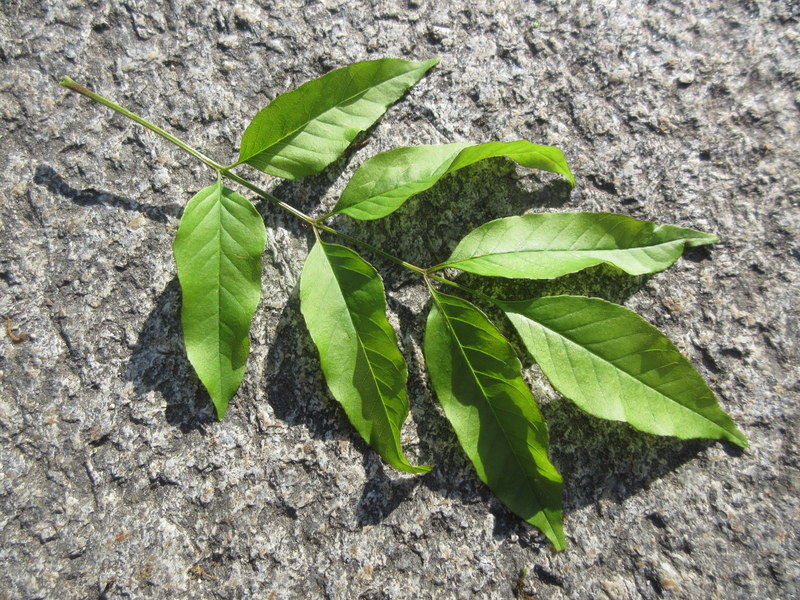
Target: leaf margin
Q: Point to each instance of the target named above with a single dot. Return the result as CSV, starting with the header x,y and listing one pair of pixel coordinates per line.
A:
x,y
439,160
222,386
673,248
283,106
390,450
547,520
520,315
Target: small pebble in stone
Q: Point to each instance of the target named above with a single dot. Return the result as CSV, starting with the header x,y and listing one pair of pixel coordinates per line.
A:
x,y
620,76
686,78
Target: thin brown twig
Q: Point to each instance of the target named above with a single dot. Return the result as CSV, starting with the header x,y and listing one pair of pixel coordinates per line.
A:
x,y
16,339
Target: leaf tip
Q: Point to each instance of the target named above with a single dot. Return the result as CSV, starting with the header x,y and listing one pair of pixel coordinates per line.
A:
x,y
401,464
738,438
421,469
554,535
559,544
703,239
220,408
427,65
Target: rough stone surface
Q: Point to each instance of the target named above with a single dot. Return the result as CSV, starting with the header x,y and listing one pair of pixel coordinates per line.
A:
x,y
115,481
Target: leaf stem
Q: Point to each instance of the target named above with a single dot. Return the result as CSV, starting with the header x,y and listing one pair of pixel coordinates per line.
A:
x,y
267,196
431,289
371,248
317,223
76,87
225,171
428,276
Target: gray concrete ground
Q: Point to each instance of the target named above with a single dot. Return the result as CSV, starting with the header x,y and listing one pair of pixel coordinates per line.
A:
x,y
115,481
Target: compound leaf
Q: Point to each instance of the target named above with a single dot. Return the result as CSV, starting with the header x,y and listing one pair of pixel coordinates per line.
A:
x,y
343,303
477,378
303,131
385,181
615,365
543,246
218,255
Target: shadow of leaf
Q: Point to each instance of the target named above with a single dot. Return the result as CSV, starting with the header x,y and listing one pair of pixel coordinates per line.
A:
x,y
46,176
158,363
293,364
432,222
608,459
599,459
381,494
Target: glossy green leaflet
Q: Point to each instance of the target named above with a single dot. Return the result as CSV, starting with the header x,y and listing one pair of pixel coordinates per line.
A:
x,y
218,256
603,357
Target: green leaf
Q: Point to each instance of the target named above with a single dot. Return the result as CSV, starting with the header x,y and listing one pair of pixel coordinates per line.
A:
x,y
218,254
477,378
543,246
384,182
303,131
615,365
343,303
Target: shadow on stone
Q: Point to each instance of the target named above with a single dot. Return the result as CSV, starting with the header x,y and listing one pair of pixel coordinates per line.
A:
x,y
609,460
296,390
46,176
453,207
158,363
294,386
598,459
381,494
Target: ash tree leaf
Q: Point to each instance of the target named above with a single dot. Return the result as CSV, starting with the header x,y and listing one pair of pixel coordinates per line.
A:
x,y
385,181
343,303
615,365
477,378
303,131
544,246
218,255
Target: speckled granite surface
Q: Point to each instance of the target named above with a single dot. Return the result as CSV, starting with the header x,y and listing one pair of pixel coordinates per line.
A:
x,y
115,482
